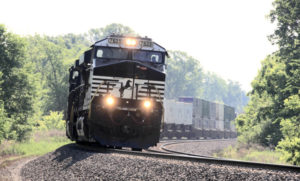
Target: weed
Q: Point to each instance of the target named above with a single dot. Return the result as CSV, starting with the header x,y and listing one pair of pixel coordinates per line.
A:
x,y
251,152
39,144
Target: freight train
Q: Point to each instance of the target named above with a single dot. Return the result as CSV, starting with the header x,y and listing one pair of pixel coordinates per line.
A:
x,y
116,92
193,118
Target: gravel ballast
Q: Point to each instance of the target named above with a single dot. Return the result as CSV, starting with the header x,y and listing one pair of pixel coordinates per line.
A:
x,y
203,147
71,163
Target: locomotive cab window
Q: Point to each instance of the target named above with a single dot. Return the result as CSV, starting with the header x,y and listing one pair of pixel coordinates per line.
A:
x,y
99,53
148,56
111,53
75,75
155,58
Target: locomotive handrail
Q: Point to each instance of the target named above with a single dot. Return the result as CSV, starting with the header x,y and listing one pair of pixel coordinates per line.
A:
x,y
90,103
162,105
76,88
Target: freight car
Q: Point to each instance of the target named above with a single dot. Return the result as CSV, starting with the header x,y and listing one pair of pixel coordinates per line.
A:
x,y
116,93
193,118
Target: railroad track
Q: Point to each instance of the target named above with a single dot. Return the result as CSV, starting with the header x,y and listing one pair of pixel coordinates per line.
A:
x,y
163,148
167,154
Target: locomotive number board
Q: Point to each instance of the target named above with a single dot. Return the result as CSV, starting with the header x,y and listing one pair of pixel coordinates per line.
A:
x,y
122,41
144,43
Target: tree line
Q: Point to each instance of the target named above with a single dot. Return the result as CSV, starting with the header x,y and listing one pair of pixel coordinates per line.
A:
x,y
272,117
186,77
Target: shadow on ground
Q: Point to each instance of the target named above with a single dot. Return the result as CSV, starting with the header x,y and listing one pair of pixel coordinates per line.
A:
x,y
73,153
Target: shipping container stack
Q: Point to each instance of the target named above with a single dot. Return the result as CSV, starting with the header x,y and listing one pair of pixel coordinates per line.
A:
x,y
197,113
212,115
218,118
208,119
177,112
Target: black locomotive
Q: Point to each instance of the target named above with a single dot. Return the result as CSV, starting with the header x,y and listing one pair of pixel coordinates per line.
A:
x,y
116,93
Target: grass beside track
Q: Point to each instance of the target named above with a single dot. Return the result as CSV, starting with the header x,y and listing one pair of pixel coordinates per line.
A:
x,y
40,143
253,153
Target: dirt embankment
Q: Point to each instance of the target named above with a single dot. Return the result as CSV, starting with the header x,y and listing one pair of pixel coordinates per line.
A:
x,y
10,170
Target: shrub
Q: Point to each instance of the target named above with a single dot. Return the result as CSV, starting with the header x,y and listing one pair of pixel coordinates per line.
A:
x,y
290,149
52,121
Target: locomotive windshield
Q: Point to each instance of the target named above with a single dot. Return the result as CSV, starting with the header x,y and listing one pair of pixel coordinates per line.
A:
x,y
119,53
112,53
147,56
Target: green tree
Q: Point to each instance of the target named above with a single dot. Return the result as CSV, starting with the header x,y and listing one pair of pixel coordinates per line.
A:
x,y
264,112
18,85
287,37
3,116
48,59
290,145
214,88
52,121
184,75
273,111
235,96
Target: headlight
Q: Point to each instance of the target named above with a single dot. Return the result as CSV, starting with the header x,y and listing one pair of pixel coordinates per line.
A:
x,y
110,100
147,104
130,42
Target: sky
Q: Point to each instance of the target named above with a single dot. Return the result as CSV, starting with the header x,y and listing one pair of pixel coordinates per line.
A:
x,y
227,37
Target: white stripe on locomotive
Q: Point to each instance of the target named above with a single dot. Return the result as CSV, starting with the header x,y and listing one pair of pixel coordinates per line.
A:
x,y
157,87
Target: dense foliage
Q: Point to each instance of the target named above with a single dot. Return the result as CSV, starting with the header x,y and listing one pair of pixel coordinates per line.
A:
x,y
272,116
184,75
52,121
34,78
17,91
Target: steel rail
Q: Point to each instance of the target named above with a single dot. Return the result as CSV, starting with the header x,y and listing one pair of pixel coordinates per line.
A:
x,y
167,143
163,147
163,150
218,161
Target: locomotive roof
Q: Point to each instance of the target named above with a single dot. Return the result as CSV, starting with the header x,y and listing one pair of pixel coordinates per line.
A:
x,y
118,41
